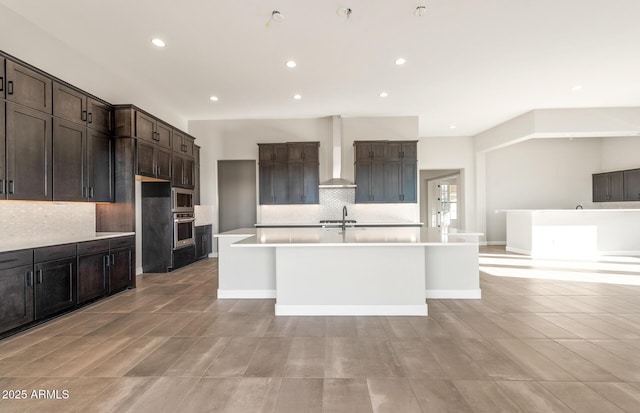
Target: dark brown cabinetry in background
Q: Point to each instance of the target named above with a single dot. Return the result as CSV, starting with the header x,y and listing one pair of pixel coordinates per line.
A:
x,y
3,166
273,174
303,173
28,154
183,162
203,241
196,177
386,171
632,185
75,106
153,161
608,187
28,87
3,78
16,289
121,263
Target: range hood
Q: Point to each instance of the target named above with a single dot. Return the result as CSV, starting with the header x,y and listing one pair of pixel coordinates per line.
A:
x,y
336,158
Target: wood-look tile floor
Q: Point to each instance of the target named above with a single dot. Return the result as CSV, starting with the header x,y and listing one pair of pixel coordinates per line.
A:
x,y
533,343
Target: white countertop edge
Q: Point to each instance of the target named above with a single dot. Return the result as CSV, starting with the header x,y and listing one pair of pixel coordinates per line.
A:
x,y
354,244
51,241
573,210
337,224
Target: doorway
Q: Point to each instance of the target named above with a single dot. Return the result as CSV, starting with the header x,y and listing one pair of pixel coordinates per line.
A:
x,y
442,198
236,194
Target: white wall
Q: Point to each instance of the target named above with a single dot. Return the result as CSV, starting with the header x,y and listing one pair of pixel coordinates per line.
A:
x,y
538,174
620,153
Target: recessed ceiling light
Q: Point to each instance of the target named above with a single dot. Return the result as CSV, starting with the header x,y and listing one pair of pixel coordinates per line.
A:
x,y
452,126
158,42
291,64
213,98
401,61
576,88
297,97
383,94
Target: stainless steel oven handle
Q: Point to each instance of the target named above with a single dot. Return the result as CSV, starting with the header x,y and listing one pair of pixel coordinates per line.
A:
x,y
184,220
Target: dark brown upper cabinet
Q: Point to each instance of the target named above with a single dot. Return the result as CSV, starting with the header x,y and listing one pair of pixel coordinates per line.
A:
x,y
386,171
151,129
3,165
82,163
183,171
75,106
632,185
183,143
28,87
608,187
153,161
273,175
303,172
196,178
29,154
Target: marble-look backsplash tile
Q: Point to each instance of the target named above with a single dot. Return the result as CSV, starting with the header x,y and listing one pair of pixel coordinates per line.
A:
x,y
22,220
330,207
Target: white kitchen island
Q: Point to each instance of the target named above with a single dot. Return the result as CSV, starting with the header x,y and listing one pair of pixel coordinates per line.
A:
x,y
359,271
573,233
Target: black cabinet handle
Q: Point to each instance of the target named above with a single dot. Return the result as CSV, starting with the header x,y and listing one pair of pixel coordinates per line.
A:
x,y
1,186
90,117
90,192
83,116
30,278
1,84
10,87
12,186
105,261
39,277
113,259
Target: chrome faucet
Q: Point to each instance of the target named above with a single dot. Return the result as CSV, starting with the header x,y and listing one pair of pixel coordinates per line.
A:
x,y
344,214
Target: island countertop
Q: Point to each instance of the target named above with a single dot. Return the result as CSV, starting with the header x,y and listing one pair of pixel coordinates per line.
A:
x,y
333,237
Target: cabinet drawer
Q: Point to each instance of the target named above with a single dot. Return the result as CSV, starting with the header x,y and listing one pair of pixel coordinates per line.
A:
x,y
57,252
123,242
93,247
14,259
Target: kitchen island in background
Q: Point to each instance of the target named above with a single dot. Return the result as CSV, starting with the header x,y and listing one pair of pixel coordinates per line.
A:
x,y
359,271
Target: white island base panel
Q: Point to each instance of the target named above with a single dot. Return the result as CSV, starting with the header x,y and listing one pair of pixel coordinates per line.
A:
x,y
350,281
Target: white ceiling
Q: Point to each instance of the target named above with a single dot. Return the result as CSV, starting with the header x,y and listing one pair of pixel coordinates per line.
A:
x,y
470,63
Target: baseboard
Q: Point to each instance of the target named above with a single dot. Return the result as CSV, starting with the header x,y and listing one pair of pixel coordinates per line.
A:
x,y
518,251
333,310
213,255
496,243
246,293
139,270
454,294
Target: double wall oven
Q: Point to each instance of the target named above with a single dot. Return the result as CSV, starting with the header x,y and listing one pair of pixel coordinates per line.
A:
x,y
183,218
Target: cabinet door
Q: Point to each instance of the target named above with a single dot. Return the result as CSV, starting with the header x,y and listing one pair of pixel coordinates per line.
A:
x,y
178,141
600,187
311,182
409,151
265,183
189,171
394,151
265,153
377,182
616,186
120,269
145,127
392,182
99,166
29,146
363,179
145,158
295,152
177,176
163,163
16,290
280,183
55,287
200,242
632,185
188,145
409,181
69,152
99,116
196,175
362,151
296,183
3,166
69,104
28,87
3,78
164,135
92,276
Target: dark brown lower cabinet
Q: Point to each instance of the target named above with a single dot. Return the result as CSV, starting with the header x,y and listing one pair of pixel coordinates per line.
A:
x,y
93,270
16,289
121,264
203,241
55,286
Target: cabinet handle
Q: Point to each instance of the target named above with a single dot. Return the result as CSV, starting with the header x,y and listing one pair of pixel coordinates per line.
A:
x,y
90,192
105,261
30,278
10,87
113,259
90,117
83,116
12,186
1,186
1,83
39,272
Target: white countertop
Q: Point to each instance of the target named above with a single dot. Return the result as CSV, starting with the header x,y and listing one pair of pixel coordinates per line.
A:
x,y
20,244
385,236
334,224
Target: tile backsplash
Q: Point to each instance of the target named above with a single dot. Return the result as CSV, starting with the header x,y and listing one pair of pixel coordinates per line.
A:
x,y
330,207
21,220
